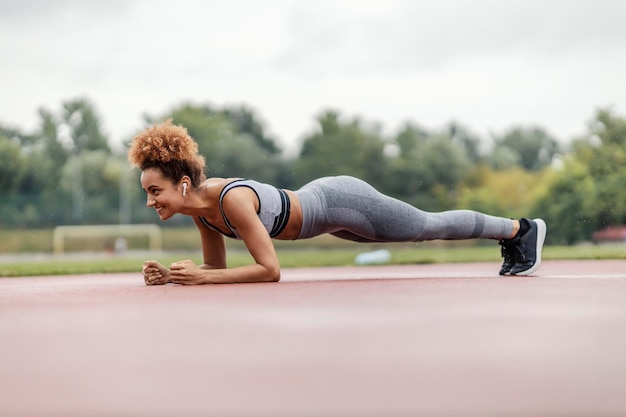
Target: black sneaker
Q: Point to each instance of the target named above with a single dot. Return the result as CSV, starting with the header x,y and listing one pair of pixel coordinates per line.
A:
x,y
527,248
509,255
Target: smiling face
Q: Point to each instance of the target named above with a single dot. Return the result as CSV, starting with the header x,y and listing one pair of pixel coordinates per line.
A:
x,y
164,195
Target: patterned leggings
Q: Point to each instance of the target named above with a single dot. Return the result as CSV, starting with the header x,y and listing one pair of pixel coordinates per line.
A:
x,y
352,209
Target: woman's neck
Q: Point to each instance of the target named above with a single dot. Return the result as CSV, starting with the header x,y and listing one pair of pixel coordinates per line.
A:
x,y
200,202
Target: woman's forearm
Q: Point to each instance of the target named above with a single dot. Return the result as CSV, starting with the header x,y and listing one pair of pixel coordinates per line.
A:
x,y
241,274
187,273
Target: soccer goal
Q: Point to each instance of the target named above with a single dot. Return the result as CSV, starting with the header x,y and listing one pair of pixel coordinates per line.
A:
x,y
102,232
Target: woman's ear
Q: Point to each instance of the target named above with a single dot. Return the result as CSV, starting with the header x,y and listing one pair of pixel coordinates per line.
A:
x,y
186,181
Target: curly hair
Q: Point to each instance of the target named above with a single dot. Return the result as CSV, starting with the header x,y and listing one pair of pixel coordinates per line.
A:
x,y
169,148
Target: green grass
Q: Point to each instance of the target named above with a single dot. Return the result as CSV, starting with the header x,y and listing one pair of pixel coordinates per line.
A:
x,y
183,243
293,255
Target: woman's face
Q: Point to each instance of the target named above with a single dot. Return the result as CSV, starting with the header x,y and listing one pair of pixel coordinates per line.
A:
x,y
163,195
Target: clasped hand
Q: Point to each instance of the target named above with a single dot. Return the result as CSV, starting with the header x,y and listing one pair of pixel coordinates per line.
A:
x,y
183,272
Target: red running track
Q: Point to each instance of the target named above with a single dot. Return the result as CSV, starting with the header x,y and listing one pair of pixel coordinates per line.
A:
x,y
431,340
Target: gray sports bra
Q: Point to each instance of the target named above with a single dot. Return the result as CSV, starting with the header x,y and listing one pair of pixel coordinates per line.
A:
x,y
274,207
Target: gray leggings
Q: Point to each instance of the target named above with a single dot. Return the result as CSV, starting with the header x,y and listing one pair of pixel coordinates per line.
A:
x,y
352,209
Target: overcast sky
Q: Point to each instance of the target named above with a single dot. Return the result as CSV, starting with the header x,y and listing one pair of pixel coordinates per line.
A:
x,y
488,64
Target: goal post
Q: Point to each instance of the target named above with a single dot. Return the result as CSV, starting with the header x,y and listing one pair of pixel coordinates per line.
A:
x,y
61,233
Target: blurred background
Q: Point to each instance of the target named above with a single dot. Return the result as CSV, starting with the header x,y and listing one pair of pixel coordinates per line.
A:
x,y
512,108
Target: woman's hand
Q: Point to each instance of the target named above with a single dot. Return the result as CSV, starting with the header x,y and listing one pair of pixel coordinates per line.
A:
x,y
155,274
186,273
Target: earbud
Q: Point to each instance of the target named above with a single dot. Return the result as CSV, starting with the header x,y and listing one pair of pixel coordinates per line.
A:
x,y
184,188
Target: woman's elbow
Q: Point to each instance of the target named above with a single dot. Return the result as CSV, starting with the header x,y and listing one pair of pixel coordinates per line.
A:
x,y
273,274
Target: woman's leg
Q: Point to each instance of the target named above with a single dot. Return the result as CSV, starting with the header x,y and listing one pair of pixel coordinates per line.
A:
x,y
352,209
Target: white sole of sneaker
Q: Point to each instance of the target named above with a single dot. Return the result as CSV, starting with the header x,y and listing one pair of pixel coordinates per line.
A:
x,y
541,237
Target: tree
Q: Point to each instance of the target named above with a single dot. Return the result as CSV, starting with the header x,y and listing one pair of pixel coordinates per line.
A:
x,y
49,136
100,191
410,137
563,204
232,141
84,127
247,122
507,193
428,168
589,192
603,151
35,162
531,148
20,205
342,148
470,143
11,164
46,155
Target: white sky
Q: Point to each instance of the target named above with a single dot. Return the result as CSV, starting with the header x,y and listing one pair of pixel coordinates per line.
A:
x,y
488,64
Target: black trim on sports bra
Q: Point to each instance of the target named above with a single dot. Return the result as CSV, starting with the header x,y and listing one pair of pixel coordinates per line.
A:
x,y
214,228
280,222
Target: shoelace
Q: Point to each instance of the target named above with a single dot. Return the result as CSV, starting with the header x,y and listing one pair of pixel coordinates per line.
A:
x,y
513,252
507,250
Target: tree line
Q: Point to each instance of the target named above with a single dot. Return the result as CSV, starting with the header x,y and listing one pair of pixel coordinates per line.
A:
x,y
66,172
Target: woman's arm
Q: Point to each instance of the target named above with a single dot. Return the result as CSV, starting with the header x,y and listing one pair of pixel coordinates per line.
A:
x,y
240,208
213,253
213,247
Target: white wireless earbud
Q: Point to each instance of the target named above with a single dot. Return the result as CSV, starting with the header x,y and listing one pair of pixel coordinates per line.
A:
x,y
184,188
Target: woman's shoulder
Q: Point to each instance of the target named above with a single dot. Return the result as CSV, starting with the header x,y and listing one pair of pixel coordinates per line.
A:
x,y
215,185
218,182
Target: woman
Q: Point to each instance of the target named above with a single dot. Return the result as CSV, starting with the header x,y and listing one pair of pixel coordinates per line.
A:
x,y
172,175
